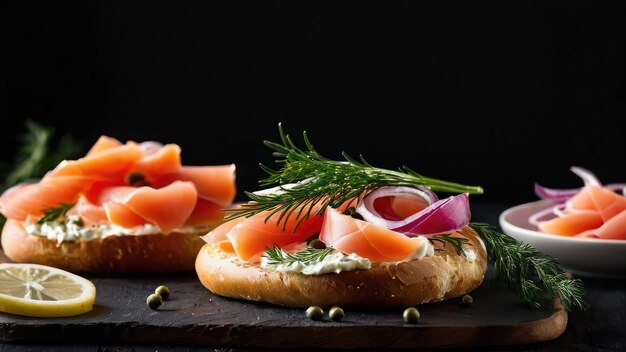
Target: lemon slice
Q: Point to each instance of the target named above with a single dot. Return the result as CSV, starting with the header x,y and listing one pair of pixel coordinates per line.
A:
x,y
43,291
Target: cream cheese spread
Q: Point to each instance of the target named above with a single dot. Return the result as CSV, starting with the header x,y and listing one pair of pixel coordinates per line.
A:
x,y
334,262
72,229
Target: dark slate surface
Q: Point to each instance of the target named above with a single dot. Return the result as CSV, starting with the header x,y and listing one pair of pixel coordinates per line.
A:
x,y
194,315
120,314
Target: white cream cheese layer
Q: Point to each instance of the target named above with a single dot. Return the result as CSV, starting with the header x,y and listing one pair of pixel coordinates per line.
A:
x,y
72,229
334,262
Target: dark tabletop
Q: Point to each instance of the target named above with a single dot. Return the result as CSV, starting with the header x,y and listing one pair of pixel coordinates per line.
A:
x,y
602,328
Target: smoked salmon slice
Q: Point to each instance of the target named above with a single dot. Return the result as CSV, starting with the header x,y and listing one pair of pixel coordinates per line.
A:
x,y
606,202
168,207
119,214
106,164
614,229
572,224
250,237
214,183
350,235
205,212
103,143
164,193
31,199
164,160
91,213
220,232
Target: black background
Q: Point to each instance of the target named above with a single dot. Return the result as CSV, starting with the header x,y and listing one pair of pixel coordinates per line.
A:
x,y
500,94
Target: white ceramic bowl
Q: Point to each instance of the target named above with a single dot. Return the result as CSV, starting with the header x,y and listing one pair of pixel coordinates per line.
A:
x,y
589,257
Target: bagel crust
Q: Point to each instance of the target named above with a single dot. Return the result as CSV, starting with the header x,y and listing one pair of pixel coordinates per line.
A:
x,y
119,254
387,284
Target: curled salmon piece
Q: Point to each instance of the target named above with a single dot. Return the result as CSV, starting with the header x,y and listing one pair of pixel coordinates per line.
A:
x,y
106,164
214,183
31,199
168,207
103,143
249,237
350,235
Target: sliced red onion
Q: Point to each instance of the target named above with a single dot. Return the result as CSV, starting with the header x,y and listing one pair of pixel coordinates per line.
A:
x,y
539,216
442,216
588,177
374,215
617,187
562,195
559,210
557,195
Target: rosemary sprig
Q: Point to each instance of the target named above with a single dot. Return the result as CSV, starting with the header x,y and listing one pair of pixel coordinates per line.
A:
x,y
325,182
456,242
52,214
276,256
528,271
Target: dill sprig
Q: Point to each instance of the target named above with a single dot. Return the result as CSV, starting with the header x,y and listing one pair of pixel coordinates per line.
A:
x,y
325,182
51,214
456,242
276,256
35,157
529,272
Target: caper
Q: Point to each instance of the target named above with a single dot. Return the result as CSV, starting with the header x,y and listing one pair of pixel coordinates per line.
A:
x,y
135,178
335,313
350,211
467,300
314,313
163,291
411,315
154,301
317,244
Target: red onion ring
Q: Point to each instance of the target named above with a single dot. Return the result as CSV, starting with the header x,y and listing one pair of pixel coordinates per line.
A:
x,y
562,195
441,216
588,177
557,195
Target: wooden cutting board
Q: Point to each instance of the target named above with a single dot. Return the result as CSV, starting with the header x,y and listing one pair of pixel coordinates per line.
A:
x,y
195,316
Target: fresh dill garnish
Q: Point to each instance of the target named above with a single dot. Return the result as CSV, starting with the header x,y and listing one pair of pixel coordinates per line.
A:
x,y
52,214
325,182
35,155
456,242
276,256
529,272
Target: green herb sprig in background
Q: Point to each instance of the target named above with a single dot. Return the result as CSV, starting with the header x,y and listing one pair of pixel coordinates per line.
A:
x,y
35,156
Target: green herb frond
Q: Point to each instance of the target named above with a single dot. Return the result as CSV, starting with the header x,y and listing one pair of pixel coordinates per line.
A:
x,y
35,157
456,242
322,182
276,256
528,271
52,214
